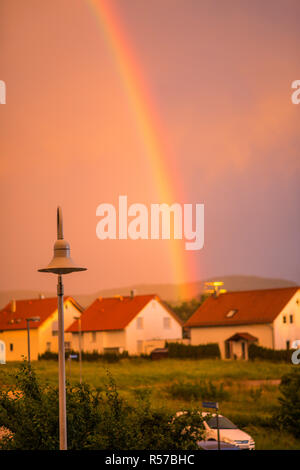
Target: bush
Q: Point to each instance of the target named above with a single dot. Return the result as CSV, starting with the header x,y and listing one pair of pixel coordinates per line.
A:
x,y
197,390
289,412
201,351
267,354
94,420
86,356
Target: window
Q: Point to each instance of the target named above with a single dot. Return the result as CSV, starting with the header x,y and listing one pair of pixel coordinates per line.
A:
x,y
284,319
140,323
231,313
167,323
93,336
291,318
11,347
48,346
288,344
55,328
67,345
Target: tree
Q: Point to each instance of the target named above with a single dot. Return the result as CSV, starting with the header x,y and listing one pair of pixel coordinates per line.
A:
x,y
289,412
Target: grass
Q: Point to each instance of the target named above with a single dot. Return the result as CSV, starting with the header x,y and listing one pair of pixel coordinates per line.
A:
x,y
174,385
135,372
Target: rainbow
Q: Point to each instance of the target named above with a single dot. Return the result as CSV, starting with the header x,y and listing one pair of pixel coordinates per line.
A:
x,y
146,120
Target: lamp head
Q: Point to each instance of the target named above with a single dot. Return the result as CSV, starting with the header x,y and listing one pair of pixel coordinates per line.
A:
x,y
61,262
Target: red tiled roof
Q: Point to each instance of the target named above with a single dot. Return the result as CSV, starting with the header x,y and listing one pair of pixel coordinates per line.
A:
x,y
246,336
42,308
112,313
255,306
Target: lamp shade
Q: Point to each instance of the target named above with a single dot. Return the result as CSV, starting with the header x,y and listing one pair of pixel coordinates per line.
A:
x,y
61,262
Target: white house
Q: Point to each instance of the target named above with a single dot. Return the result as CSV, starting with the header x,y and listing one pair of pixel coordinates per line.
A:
x,y
268,317
117,324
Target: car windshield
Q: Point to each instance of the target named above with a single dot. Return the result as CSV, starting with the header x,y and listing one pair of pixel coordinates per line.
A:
x,y
224,423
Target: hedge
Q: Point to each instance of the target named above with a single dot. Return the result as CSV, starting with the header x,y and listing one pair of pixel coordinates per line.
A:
x,y
201,351
268,354
86,356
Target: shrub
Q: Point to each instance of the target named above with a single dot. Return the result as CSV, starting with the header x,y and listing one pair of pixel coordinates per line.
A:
x,y
201,351
197,390
267,354
86,356
94,421
289,411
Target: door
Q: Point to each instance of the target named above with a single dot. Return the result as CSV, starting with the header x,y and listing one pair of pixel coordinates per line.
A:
x,y
140,348
2,353
227,350
243,350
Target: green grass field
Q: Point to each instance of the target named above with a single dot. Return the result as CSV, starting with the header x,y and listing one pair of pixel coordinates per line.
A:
x,y
249,397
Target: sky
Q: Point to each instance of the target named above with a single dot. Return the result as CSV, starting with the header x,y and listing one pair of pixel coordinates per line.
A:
x,y
208,81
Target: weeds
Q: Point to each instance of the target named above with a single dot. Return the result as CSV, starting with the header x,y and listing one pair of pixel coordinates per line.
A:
x,y
197,390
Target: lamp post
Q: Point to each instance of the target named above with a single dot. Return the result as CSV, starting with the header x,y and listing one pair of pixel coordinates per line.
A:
x,y
60,264
79,344
28,320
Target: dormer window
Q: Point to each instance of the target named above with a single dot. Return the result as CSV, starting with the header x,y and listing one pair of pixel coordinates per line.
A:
x,y
231,313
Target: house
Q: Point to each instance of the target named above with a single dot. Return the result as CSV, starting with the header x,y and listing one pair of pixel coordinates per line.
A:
x,y
118,324
43,333
269,318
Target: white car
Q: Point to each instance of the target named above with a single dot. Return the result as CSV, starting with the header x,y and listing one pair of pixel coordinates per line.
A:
x,y
228,431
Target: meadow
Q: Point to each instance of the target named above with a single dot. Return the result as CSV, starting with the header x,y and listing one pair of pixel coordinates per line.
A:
x,y
247,391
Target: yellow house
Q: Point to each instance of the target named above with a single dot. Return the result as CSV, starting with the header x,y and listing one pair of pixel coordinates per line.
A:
x,y
134,323
268,317
43,333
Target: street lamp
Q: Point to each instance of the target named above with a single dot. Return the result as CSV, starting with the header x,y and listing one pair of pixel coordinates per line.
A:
x,y
60,264
28,320
79,344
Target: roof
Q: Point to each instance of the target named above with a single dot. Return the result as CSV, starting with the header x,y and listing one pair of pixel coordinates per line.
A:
x,y
43,308
114,313
246,336
242,308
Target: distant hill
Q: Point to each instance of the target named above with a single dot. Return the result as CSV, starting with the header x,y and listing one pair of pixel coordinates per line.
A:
x,y
168,292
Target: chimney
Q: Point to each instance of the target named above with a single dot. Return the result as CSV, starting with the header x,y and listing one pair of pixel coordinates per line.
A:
x,y
132,293
13,306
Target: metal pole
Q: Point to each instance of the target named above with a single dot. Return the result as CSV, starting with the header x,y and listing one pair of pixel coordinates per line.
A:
x,y
61,367
218,430
28,340
80,354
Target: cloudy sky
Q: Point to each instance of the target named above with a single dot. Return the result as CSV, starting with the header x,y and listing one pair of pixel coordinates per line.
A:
x,y
217,81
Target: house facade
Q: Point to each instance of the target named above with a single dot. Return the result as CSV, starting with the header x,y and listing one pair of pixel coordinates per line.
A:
x,y
125,323
268,318
43,333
